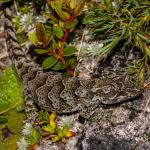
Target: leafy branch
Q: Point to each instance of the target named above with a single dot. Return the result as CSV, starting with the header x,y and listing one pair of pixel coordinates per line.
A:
x,y
51,38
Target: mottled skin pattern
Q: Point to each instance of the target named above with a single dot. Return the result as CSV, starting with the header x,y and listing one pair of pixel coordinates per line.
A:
x,y
51,92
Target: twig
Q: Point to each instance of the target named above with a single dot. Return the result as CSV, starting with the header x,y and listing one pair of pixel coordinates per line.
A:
x,y
79,50
147,103
147,85
81,43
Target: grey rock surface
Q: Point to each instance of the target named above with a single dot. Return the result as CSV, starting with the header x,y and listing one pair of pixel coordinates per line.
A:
x,y
122,127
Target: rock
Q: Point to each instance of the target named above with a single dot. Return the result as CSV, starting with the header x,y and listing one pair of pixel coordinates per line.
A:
x,y
125,126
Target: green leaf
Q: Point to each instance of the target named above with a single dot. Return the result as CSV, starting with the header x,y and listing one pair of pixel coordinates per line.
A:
x,y
4,1
59,66
48,30
33,38
73,63
15,121
3,120
71,25
57,6
69,51
106,50
147,49
61,133
58,31
14,126
54,45
63,140
9,82
49,62
49,129
35,136
41,51
43,116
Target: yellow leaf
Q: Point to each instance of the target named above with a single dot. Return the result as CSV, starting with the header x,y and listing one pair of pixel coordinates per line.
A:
x,y
55,139
69,134
57,6
72,4
63,140
53,124
79,7
41,34
61,24
60,44
52,116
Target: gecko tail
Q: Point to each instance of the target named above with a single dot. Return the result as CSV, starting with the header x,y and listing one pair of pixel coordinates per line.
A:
x,y
20,59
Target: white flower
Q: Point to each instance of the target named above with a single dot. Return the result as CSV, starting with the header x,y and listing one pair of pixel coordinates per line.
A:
x,y
94,48
22,144
27,129
66,120
26,21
